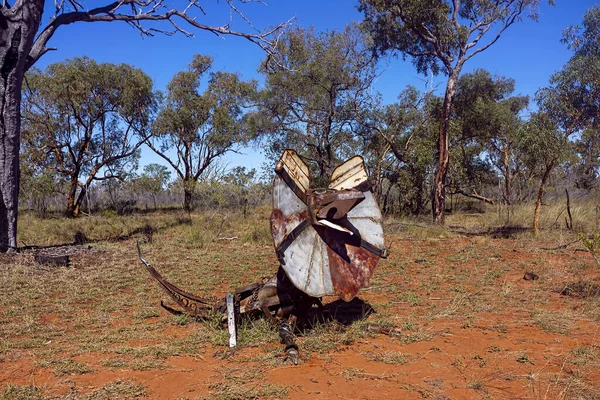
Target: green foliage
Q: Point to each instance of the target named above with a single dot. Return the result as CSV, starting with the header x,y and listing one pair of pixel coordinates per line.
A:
x,y
398,151
592,244
485,132
200,127
437,36
541,143
153,180
38,188
587,168
84,120
573,99
316,94
440,36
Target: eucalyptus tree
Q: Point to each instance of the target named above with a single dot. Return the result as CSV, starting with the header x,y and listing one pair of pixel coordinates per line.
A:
x,y
317,90
401,134
543,146
24,39
587,169
485,131
86,121
572,101
193,129
441,36
153,180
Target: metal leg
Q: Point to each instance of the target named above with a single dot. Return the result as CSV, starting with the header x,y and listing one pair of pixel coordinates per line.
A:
x,y
286,333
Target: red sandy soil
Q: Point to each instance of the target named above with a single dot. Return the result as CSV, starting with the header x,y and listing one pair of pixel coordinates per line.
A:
x,y
477,335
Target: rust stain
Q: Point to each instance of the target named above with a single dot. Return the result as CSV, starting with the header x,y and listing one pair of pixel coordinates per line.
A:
x,y
349,277
282,226
350,266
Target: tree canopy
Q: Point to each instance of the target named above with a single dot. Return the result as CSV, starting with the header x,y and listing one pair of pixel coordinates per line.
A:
x,y
194,128
315,95
440,36
24,40
86,121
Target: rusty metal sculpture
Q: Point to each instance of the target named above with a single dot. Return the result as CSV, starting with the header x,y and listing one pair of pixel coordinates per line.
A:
x,y
328,242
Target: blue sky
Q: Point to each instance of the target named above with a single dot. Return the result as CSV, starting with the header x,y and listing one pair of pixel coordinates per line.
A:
x,y
528,52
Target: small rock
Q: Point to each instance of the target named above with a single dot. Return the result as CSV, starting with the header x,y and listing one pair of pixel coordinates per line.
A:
x,y
530,276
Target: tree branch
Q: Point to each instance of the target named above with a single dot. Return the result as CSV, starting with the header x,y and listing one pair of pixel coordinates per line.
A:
x,y
508,22
109,13
167,159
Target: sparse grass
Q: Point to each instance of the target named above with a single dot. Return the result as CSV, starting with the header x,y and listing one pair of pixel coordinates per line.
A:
x,y
17,392
225,391
413,299
583,289
435,282
388,357
551,321
66,367
583,355
117,390
328,337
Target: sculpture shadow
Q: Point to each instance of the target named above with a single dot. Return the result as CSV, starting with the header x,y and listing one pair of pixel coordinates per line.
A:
x,y
338,312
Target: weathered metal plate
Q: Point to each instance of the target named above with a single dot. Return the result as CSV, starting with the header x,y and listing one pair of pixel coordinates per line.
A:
x,y
294,172
367,218
349,175
319,260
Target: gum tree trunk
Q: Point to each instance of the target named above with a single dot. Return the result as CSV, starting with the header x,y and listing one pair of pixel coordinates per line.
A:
x,y
439,189
187,198
538,203
18,26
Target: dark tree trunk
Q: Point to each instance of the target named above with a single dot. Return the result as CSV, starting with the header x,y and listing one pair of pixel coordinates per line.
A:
x,y
538,203
79,202
70,212
187,199
419,200
507,179
439,188
18,26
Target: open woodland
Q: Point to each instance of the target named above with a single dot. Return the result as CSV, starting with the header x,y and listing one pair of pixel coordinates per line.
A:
x,y
490,198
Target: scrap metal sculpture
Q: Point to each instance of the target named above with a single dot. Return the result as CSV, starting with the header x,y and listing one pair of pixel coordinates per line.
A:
x,y
328,242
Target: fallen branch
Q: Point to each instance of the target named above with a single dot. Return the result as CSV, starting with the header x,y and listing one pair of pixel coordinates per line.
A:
x,y
473,195
560,247
227,238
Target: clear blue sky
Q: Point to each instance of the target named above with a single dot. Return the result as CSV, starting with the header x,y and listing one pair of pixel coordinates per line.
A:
x,y
529,52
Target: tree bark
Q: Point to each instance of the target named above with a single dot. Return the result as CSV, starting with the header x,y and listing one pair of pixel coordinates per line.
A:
x,y
18,26
439,189
569,221
507,185
70,211
538,203
187,198
507,178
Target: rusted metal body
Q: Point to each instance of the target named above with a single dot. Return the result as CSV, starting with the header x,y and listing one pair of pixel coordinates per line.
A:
x,y
328,242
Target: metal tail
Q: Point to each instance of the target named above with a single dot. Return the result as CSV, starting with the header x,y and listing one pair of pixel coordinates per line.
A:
x,y
193,304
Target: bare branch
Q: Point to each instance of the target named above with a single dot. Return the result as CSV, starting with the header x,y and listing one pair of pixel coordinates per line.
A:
x,y
508,22
456,6
140,13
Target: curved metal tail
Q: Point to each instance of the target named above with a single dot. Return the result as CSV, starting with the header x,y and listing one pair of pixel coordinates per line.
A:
x,y
193,304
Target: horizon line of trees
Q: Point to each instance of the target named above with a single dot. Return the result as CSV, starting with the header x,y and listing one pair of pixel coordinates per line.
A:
x,y
83,123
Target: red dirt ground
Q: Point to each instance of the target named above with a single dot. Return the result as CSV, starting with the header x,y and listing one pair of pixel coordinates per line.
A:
x,y
469,326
